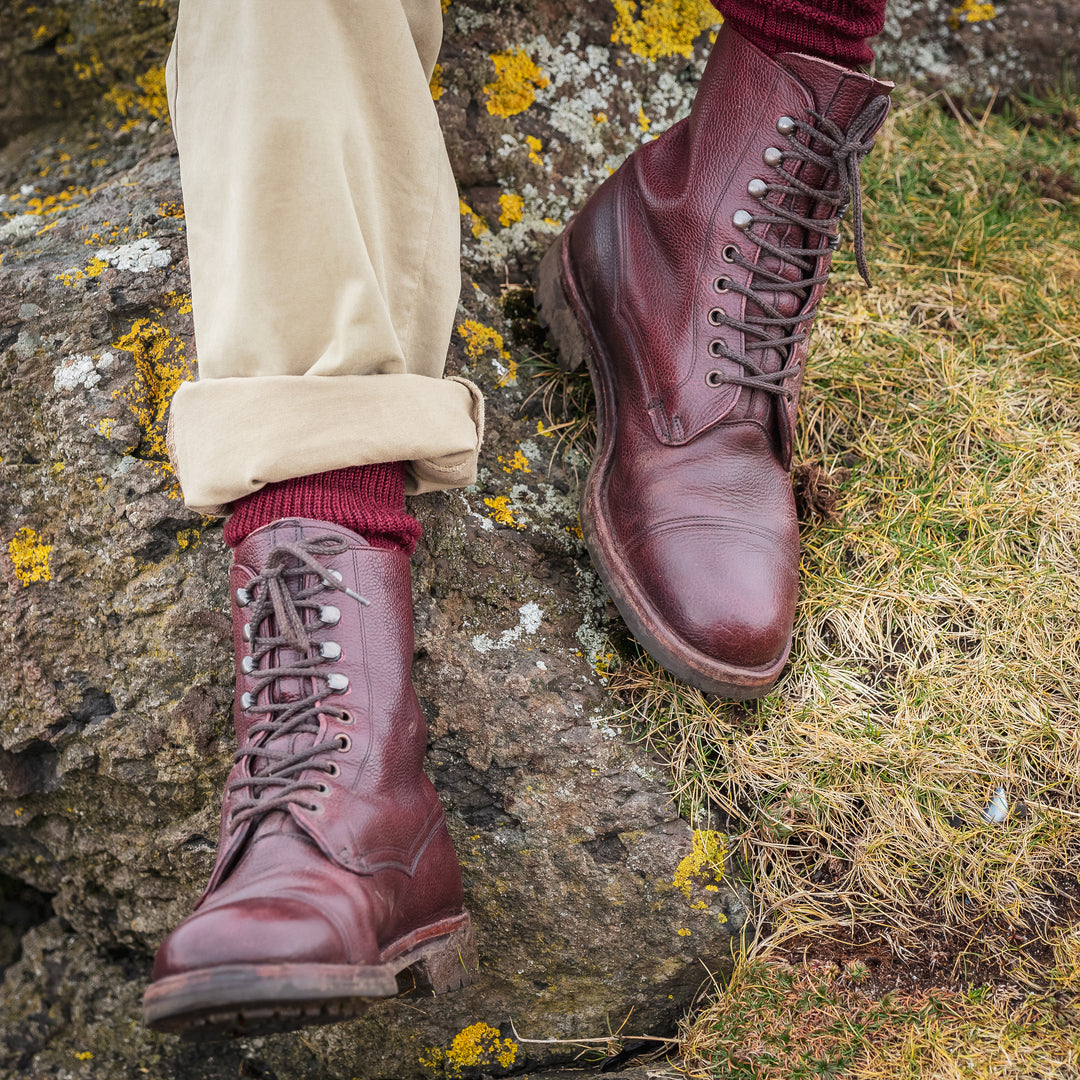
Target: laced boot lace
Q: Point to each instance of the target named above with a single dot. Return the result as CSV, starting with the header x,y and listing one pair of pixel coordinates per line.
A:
x,y
833,151
280,776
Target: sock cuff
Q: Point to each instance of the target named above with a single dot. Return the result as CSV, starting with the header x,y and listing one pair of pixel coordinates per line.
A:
x,y
369,499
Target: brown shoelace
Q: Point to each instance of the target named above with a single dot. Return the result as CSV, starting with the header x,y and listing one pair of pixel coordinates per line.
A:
x,y
279,777
833,151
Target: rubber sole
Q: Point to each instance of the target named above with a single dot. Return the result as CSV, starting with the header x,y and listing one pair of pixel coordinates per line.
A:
x,y
563,313
236,1000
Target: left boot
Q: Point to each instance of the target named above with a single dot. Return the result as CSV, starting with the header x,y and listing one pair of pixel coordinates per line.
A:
x,y
336,881
688,284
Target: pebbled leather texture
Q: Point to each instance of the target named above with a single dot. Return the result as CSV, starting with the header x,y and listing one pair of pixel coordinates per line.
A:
x,y
689,508
338,875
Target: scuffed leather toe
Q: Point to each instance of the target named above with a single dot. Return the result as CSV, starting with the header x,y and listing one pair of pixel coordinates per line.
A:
x,y
271,930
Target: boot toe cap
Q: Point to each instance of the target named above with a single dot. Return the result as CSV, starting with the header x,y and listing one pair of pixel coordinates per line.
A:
x,y
725,590
254,931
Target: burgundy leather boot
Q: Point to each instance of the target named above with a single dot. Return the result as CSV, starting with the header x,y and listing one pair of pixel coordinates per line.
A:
x,y
336,881
688,284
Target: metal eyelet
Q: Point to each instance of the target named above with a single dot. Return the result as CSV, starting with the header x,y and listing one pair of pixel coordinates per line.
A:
x,y
344,743
247,665
243,598
714,379
337,683
330,650
742,220
730,253
247,702
773,157
245,634
323,789
333,770
716,348
716,317
721,284
346,718
758,189
329,615
785,125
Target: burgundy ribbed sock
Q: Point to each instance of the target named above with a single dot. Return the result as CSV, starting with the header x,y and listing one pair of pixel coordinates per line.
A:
x,y
835,30
369,499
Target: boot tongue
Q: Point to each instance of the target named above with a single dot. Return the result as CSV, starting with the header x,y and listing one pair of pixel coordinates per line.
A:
x,y
838,92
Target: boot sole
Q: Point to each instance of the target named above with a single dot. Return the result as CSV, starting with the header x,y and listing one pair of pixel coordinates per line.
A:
x,y
236,1000
563,313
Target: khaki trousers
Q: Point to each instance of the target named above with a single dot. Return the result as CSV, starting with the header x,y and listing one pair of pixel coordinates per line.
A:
x,y
323,234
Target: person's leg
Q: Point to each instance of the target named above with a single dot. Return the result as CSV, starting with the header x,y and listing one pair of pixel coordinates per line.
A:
x,y
323,236
688,283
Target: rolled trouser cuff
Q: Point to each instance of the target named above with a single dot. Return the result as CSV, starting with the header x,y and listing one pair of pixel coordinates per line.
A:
x,y
229,437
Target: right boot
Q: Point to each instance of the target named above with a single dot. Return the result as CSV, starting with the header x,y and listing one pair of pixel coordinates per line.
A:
x,y
688,284
336,881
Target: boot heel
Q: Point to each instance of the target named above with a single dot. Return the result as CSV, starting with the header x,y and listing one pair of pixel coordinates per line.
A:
x,y
447,964
554,312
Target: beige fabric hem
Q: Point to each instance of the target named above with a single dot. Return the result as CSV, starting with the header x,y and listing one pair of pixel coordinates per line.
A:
x,y
229,437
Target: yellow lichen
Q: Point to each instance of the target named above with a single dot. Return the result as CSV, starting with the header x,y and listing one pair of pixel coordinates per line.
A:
x,y
149,102
519,461
534,145
67,199
479,1044
160,367
105,427
188,538
171,209
515,84
479,337
663,27
178,301
510,207
643,121
683,932
94,268
548,433
30,556
435,85
479,225
445,5
706,859
971,11
84,1055
504,514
